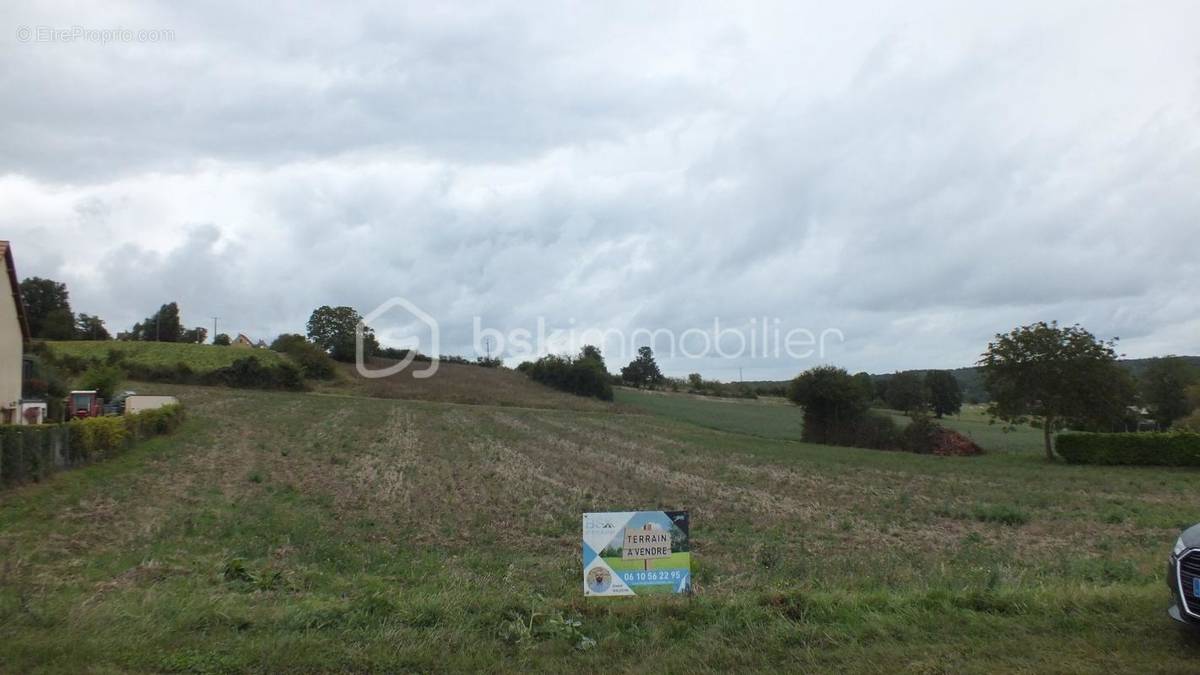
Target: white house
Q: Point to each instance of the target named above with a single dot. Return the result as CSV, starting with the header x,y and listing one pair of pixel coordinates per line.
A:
x,y
14,333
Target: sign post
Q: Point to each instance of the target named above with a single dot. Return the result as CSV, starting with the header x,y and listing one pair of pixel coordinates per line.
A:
x,y
618,549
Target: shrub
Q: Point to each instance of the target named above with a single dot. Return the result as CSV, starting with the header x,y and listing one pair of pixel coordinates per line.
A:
x,y
153,422
580,376
873,430
249,372
1173,448
94,437
104,379
313,360
920,435
29,452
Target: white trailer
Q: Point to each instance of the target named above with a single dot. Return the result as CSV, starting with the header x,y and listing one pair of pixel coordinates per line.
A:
x,y
137,402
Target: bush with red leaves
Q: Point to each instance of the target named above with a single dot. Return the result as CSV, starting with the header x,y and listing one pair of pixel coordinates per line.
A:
x,y
947,442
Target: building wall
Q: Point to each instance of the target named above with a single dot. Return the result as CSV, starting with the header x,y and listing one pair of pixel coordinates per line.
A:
x,y
11,348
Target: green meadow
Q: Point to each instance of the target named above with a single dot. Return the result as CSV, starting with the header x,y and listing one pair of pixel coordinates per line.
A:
x,y
317,532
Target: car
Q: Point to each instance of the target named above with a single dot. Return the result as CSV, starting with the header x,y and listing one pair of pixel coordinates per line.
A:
x,y
1183,577
117,405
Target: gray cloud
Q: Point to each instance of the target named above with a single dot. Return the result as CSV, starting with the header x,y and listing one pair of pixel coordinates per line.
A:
x,y
917,179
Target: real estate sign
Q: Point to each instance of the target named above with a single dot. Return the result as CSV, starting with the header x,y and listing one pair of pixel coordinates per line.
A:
x,y
636,553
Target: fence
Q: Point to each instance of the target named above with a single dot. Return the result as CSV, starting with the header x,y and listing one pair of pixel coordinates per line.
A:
x,y
33,452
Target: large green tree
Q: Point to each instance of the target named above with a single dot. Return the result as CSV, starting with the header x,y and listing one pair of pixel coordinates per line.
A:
x,y
643,371
1164,388
833,402
945,396
1055,376
866,383
48,309
195,336
906,392
334,329
161,326
88,327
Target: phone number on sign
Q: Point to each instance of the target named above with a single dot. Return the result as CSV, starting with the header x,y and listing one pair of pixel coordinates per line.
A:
x,y
652,576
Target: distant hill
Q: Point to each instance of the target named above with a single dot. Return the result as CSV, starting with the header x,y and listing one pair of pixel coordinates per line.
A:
x,y
199,358
971,381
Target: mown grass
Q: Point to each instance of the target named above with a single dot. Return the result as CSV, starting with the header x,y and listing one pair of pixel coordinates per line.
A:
x,y
769,418
296,532
200,358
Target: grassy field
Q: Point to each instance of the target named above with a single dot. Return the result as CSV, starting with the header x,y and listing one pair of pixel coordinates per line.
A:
x,y
769,418
282,532
774,418
458,383
200,358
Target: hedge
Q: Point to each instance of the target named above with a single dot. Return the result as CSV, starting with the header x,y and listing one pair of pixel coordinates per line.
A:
x,y
1173,448
31,452
34,452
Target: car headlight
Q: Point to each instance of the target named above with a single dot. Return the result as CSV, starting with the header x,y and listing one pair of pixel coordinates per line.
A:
x,y
1178,547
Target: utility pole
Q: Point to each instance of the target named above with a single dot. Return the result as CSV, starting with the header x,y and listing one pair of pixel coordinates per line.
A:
x,y
215,328
740,374
488,341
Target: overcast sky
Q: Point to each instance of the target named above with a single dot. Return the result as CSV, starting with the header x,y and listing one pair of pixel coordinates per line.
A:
x,y
916,176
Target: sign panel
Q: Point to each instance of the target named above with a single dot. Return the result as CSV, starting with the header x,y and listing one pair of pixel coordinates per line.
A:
x,y
636,553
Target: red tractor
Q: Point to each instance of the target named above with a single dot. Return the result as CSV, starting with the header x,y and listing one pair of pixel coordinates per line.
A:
x,y
84,404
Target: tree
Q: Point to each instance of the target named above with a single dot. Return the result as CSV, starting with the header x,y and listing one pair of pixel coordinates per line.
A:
x,y
866,384
833,403
59,324
945,396
41,298
222,340
593,353
195,336
334,329
1055,376
88,327
104,379
642,371
582,375
695,381
906,392
1164,389
161,326
288,341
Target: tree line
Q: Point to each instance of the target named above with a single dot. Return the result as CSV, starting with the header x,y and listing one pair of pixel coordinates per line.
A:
x,y
1053,377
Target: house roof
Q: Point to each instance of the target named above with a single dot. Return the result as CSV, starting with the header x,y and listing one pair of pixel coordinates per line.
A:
x,y
15,285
